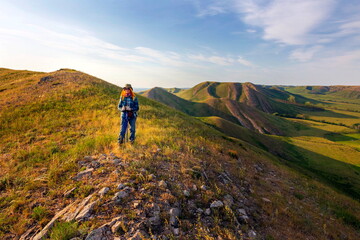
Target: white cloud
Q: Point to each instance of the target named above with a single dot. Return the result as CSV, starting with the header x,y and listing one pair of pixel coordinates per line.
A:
x,y
245,62
285,21
304,54
212,8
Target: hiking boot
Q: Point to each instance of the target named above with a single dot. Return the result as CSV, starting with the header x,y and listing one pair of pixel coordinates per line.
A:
x,y
121,140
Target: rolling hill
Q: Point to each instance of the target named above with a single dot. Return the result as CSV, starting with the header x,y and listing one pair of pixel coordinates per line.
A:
x,y
62,174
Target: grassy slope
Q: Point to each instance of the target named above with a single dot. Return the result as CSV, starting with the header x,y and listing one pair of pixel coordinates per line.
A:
x,y
52,126
227,108
334,163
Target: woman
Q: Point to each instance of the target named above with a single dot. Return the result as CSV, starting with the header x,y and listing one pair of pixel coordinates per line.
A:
x,y
128,106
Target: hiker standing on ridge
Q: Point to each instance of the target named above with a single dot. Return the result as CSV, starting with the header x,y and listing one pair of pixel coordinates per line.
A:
x,y
128,106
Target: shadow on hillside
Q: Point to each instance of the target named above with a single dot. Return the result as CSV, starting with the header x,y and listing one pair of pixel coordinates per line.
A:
x,y
344,177
329,113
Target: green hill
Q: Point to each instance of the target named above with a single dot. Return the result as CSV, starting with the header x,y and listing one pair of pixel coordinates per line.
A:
x,y
226,108
266,99
181,179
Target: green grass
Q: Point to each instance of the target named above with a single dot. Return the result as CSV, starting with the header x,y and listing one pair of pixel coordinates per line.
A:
x,y
42,139
64,231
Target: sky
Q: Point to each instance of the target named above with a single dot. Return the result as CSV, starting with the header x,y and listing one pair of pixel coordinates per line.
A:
x,y
180,43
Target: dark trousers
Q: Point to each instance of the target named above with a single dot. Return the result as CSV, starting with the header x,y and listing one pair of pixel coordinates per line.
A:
x,y
127,119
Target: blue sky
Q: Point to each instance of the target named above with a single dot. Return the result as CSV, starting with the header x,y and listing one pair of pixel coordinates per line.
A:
x,y
180,43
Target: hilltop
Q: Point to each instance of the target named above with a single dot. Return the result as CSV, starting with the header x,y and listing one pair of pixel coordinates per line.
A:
x,y
62,171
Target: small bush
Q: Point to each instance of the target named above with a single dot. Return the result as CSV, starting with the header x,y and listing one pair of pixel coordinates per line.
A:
x,y
39,213
64,231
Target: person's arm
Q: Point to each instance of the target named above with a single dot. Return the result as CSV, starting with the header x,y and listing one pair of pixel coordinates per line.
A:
x,y
121,104
136,105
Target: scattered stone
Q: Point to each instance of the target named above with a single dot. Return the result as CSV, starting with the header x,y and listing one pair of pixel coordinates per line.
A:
x,y
203,187
136,203
228,200
70,192
86,212
116,161
162,184
155,220
174,216
83,174
176,231
266,199
121,186
241,211
120,195
103,191
186,193
252,234
139,235
199,210
103,233
76,208
194,188
217,204
94,164
207,211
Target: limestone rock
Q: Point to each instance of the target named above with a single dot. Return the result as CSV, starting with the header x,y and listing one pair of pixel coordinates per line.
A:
x,y
217,204
83,174
86,211
162,184
186,193
207,211
119,196
139,235
228,200
103,191
103,233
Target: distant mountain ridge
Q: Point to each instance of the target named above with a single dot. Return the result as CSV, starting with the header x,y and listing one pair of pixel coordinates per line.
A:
x,y
251,105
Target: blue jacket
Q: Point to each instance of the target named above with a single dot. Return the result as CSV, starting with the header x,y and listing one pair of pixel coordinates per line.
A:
x,y
129,102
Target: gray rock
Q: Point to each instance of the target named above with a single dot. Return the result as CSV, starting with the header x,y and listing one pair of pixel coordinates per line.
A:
x,y
176,231
186,193
217,204
121,186
86,211
252,234
228,200
174,216
103,191
207,211
94,164
116,161
194,188
203,187
103,233
83,174
119,196
155,220
139,235
162,184
241,211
